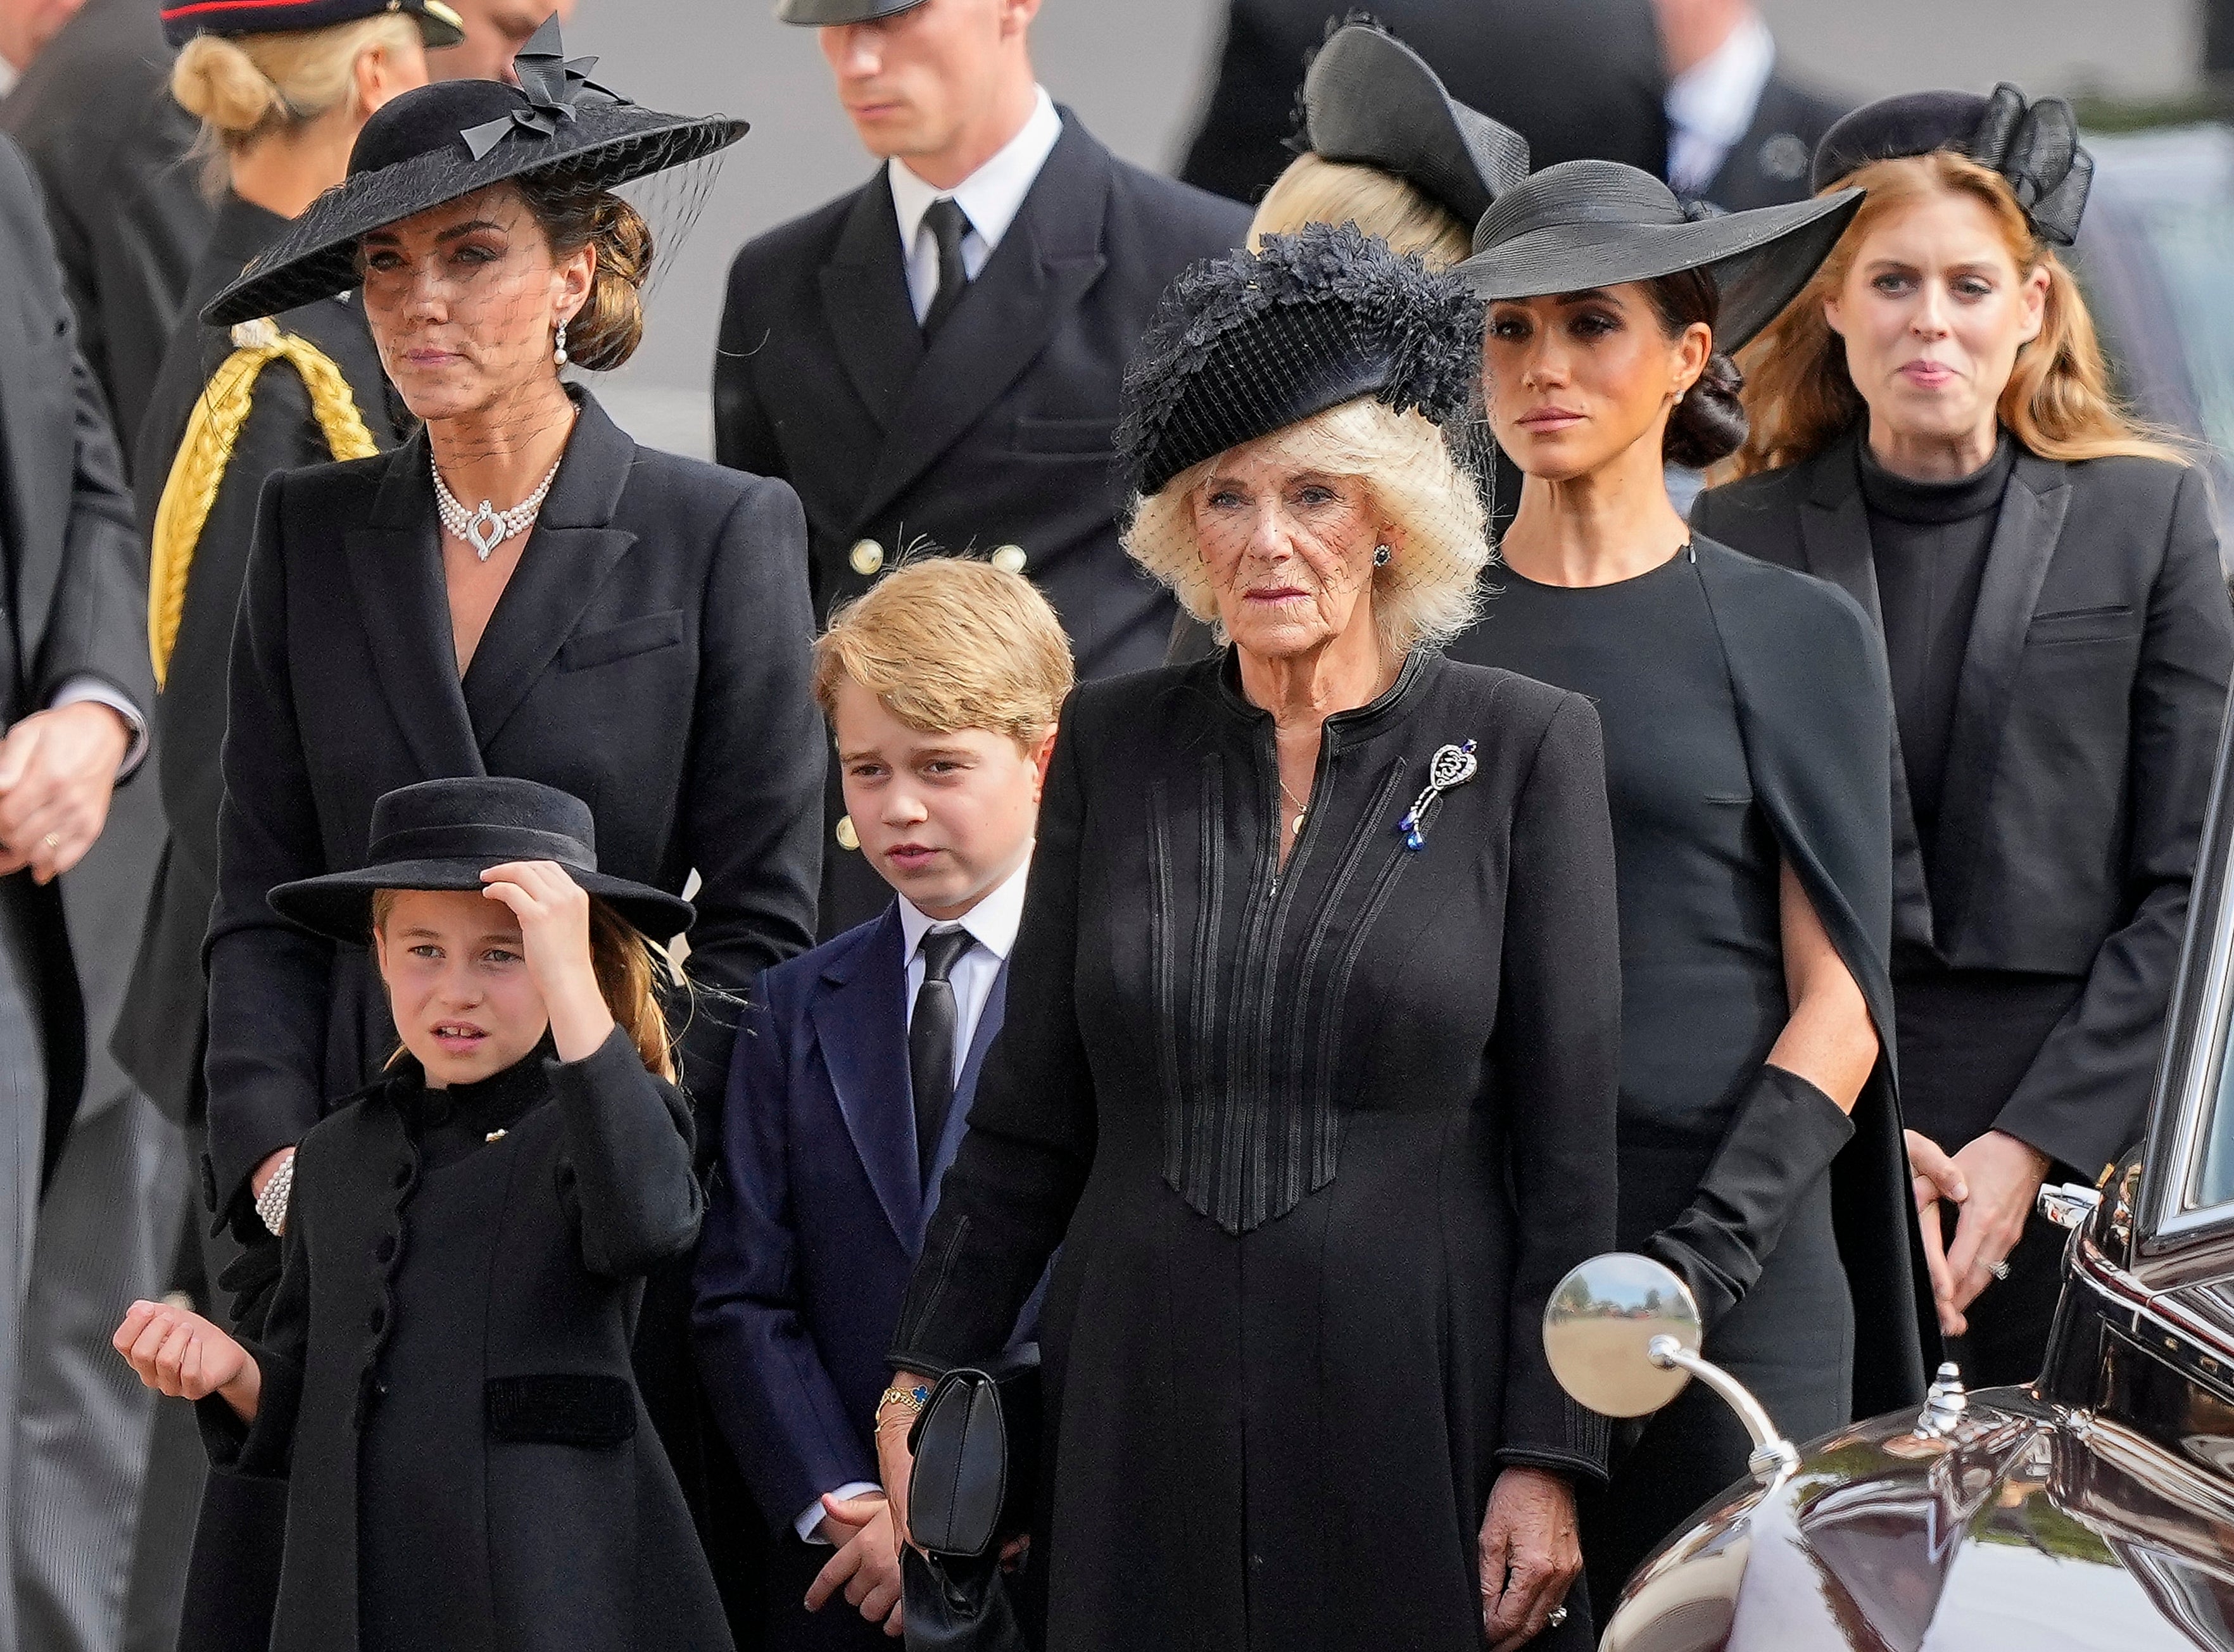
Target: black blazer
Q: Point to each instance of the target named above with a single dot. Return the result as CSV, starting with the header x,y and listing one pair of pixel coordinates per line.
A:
x,y
94,113
1579,78
158,1033
650,657
1769,166
1000,432
2085,728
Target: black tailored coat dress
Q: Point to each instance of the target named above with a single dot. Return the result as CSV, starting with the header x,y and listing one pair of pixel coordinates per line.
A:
x,y
1316,1142
446,1382
1583,78
160,1031
2086,723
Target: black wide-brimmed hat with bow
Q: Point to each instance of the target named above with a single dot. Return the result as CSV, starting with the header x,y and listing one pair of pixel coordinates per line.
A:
x,y
2033,145
1586,223
1370,100
1251,344
443,142
824,14
438,24
444,834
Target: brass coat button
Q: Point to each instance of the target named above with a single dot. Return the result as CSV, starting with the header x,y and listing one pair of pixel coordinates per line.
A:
x,y
868,556
847,838
1009,558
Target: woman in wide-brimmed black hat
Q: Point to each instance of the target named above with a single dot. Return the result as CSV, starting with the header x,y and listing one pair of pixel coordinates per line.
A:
x,y
517,589
442,1387
1747,731
1932,427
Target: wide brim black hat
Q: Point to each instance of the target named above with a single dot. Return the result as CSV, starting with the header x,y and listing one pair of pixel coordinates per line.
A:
x,y
1370,100
2035,146
824,14
1586,223
444,834
438,25
443,142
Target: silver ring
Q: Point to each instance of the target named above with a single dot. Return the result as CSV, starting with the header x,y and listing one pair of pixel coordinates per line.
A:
x,y
1555,1616
2000,1270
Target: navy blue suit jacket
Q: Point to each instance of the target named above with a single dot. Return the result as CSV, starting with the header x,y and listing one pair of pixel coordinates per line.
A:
x,y
817,1218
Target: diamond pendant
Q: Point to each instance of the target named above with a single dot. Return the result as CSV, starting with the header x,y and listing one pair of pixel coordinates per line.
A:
x,y
484,521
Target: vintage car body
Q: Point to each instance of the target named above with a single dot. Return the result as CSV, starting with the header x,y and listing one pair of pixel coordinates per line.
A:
x,y
2092,1511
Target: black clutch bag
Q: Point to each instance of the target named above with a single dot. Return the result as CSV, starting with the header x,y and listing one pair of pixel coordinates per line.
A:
x,y
976,1454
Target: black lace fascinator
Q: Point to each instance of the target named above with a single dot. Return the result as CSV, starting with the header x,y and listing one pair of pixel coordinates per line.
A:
x,y
2035,146
447,141
1247,344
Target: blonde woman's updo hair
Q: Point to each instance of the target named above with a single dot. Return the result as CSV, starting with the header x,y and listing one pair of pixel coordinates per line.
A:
x,y
1437,543
245,87
605,331
1799,398
1314,190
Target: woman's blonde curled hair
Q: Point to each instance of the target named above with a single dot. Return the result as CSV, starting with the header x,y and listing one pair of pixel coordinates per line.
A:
x,y
1314,190
605,331
1799,398
245,87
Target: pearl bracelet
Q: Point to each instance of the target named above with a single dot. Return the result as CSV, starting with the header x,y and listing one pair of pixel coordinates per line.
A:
x,y
271,1203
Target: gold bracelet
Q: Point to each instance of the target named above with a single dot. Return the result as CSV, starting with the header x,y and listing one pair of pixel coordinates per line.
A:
x,y
912,1398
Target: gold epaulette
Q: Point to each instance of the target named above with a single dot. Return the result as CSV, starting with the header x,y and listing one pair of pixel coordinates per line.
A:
x,y
207,449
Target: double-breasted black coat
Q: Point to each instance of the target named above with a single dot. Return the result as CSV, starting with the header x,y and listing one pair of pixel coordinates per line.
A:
x,y
1317,1142
158,1032
446,1385
650,656
2086,726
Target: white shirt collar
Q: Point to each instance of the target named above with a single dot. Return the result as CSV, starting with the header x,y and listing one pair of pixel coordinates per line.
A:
x,y
991,197
1714,100
992,922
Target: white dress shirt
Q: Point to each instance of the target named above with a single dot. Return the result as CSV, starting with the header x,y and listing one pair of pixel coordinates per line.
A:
x,y
992,923
86,687
990,198
1710,105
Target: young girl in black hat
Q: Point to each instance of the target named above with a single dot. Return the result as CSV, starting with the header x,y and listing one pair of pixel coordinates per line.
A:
x,y
444,1378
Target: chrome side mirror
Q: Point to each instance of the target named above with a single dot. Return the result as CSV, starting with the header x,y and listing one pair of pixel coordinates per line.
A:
x,y
1622,1335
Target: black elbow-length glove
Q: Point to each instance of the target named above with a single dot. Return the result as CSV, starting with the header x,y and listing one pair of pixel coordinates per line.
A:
x,y
1784,1134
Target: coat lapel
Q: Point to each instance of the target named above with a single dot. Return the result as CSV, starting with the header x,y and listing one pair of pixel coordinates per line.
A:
x,y
571,551
2025,537
865,299
861,1023
396,568
1045,264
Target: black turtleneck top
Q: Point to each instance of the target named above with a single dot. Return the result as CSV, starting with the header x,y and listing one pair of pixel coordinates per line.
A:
x,y
1929,541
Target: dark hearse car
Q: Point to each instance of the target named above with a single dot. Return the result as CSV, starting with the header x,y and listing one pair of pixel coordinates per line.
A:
x,y
2093,1511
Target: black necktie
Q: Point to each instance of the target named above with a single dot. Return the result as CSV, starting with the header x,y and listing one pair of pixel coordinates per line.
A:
x,y
931,1042
948,225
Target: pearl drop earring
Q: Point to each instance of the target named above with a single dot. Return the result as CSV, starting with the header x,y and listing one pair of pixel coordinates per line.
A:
x,y
559,346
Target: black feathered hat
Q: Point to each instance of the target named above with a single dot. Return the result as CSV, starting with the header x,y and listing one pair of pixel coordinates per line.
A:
x,y
445,141
823,14
444,834
2033,145
1585,224
438,24
1251,344
1371,100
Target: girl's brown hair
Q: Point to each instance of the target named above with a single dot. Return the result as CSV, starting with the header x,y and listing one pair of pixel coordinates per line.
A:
x,y
2058,403
628,973
609,326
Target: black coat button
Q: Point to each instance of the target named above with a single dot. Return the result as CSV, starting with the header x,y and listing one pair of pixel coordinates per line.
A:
x,y
384,1250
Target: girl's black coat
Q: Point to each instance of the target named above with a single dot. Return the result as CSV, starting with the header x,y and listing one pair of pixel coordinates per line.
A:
x,y
588,1545
650,656
2086,728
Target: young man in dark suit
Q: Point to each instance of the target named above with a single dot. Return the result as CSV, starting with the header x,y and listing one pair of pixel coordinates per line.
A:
x,y
854,1070
938,354
1740,130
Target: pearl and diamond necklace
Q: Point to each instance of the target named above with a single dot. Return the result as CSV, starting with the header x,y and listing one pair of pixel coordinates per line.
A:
x,y
484,527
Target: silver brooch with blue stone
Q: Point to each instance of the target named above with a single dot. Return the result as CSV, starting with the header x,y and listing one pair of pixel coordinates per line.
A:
x,y
1451,766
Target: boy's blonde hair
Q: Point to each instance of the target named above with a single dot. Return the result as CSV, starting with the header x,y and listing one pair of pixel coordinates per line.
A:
x,y
948,643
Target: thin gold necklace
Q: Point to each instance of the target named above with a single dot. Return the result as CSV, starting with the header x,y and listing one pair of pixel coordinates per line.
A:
x,y
1296,828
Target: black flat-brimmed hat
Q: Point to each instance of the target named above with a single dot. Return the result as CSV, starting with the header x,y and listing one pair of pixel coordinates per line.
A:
x,y
823,14
1370,100
2033,145
443,834
438,24
1251,344
1585,224
443,142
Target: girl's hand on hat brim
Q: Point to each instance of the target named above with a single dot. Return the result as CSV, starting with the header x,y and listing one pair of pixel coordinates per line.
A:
x,y
554,933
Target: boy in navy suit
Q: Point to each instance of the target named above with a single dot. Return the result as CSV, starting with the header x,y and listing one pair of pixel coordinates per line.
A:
x,y
854,1069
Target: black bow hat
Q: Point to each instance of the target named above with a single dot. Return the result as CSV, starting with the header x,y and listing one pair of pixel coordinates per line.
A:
x,y
443,834
1255,342
1585,224
438,24
2035,146
1371,100
822,14
443,142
